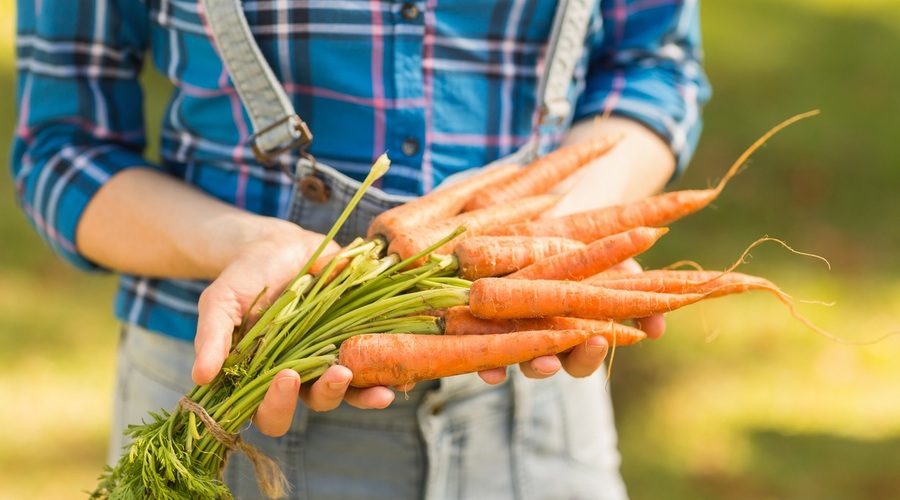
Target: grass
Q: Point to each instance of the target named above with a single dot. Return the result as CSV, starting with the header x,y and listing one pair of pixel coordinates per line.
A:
x,y
738,400
693,408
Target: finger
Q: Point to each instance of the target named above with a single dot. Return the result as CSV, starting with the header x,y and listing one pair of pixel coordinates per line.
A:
x,y
213,340
274,415
494,376
629,265
327,392
370,398
405,387
585,358
541,367
653,326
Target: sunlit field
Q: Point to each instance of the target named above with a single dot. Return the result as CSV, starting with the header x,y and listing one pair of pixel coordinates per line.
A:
x,y
739,400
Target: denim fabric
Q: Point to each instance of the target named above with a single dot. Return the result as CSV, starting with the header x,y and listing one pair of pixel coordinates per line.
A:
x,y
457,439
153,372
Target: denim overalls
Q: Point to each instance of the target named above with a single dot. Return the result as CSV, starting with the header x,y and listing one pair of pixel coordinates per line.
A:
x,y
458,438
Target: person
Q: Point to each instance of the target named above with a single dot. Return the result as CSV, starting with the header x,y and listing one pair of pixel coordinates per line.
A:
x,y
444,87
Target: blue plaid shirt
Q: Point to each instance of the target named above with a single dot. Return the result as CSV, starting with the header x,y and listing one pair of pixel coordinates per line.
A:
x,y
454,80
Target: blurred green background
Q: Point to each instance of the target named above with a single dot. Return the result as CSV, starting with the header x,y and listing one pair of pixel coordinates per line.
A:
x,y
738,400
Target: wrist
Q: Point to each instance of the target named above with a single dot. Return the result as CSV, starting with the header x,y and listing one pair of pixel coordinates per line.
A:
x,y
244,235
638,166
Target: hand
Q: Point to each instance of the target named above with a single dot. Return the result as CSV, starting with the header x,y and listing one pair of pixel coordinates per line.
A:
x,y
584,359
580,361
653,326
638,166
270,261
273,418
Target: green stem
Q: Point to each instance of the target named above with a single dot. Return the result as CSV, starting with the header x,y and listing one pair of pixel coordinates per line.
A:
x,y
392,307
390,287
378,169
240,399
406,266
239,407
307,312
428,325
273,311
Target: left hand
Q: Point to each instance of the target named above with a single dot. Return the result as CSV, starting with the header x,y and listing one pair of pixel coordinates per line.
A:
x,y
640,165
584,359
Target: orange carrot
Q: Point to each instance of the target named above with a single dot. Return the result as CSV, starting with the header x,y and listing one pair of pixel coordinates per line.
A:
x,y
544,173
501,298
437,205
713,283
319,264
485,256
684,281
459,320
580,263
655,211
710,284
398,359
591,225
476,222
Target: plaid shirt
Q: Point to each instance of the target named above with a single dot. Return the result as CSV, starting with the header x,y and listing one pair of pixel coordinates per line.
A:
x,y
444,85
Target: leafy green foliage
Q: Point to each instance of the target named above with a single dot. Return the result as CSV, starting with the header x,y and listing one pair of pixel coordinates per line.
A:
x,y
171,457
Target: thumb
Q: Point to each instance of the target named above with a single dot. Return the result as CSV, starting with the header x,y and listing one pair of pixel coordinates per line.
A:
x,y
212,343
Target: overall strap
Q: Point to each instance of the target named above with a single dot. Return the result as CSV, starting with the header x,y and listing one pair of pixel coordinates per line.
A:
x,y
564,50
277,128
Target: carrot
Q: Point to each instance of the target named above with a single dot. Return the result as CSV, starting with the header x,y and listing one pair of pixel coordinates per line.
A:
x,y
319,264
708,283
580,263
485,256
398,359
417,239
591,225
459,320
501,298
437,205
712,283
655,211
543,173
695,279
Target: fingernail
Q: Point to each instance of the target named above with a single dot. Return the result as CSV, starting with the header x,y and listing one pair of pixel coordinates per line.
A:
x,y
542,371
338,386
287,385
595,347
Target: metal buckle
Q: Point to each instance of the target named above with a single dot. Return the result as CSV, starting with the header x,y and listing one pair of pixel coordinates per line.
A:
x,y
554,113
266,157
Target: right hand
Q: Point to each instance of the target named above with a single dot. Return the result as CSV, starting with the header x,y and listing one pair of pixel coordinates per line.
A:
x,y
585,358
270,262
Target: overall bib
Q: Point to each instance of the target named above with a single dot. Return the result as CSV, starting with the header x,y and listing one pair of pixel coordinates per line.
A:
x,y
457,438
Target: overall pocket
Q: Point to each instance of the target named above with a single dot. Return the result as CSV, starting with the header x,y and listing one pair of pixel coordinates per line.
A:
x,y
319,213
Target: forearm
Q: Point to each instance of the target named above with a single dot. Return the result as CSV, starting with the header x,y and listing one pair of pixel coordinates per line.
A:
x,y
144,222
640,165
646,64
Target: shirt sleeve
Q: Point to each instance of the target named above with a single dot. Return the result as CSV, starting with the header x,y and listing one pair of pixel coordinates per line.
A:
x,y
646,63
80,116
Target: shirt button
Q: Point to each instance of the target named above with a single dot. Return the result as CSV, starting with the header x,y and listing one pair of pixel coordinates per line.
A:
x,y
409,11
410,147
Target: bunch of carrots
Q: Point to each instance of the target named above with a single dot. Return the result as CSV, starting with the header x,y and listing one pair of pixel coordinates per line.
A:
x,y
538,286
480,281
